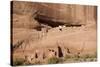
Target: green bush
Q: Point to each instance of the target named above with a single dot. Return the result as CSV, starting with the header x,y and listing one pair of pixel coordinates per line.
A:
x,y
61,60
68,57
72,58
18,61
53,60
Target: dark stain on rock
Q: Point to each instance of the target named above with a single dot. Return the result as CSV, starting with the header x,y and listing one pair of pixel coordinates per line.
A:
x,y
60,53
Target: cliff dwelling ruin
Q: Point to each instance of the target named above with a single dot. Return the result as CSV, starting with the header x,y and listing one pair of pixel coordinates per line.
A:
x,y
46,33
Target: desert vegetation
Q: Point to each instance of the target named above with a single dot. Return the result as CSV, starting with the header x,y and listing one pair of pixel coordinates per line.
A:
x,y
55,60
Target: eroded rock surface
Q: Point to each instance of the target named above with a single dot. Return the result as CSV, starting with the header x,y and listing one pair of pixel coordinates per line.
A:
x,y
43,30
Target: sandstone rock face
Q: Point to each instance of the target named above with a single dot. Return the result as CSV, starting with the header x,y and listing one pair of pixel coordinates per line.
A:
x,y
62,13
46,30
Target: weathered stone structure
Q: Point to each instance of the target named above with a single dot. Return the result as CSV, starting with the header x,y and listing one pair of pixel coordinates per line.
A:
x,y
44,30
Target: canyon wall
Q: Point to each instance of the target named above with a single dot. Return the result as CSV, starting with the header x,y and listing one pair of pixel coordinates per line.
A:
x,y
44,30
64,13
